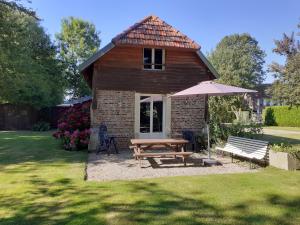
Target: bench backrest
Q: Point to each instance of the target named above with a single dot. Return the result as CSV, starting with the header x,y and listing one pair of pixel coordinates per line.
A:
x,y
103,137
248,147
188,135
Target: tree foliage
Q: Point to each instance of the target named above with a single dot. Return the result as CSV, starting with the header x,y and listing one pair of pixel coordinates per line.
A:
x,y
239,61
29,71
15,5
286,87
77,40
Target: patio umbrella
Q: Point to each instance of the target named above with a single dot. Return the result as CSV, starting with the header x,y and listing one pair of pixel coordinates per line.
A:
x,y
210,88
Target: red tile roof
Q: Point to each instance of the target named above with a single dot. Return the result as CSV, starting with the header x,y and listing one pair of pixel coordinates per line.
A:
x,y
154,32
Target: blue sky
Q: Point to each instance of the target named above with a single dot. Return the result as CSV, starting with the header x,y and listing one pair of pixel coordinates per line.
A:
x,y
206,22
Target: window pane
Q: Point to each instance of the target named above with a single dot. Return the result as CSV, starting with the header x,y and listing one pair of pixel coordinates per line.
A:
x,y
147,58
158,59
157,114
145,103
158,67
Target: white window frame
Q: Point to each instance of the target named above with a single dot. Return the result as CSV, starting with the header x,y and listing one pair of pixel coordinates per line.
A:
x,y
166,122
153,59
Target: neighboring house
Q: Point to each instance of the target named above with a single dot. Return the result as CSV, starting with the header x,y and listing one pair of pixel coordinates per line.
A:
x,y
263,98
132,77
72,102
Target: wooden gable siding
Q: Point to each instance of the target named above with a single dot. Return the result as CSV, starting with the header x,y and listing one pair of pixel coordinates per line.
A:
x,y
122,69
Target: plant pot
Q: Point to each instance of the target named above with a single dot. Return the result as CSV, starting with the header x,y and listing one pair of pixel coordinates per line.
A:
x,y
283,160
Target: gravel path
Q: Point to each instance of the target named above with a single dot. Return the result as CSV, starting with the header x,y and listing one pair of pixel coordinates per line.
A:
x,y
123,167
280,132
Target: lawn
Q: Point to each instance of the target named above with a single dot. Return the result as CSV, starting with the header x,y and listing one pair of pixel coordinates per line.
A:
x,y
42,184
279,135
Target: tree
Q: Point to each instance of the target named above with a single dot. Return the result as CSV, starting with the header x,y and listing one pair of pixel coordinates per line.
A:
x,y
239,61
286,87
77,41
29,71
15,5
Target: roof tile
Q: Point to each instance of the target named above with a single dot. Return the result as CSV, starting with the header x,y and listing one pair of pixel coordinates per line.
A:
x,y
154,31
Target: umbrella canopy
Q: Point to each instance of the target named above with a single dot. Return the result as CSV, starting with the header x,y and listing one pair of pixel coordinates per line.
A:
x,y
211,88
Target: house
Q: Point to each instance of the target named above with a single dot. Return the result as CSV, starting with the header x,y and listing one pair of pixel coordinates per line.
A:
x,y
132,77
263,98
72,102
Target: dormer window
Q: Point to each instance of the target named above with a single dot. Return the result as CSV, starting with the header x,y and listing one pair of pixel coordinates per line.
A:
x,y
154,59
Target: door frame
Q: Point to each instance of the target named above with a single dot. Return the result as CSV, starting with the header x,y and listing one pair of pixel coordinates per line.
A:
x,y
165,120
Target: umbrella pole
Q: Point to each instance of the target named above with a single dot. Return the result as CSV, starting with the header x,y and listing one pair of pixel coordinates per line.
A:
x,y
208,140
207,125
210,161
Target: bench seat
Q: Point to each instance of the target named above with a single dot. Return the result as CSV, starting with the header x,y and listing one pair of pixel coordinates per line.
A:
x,y
163,154
142,155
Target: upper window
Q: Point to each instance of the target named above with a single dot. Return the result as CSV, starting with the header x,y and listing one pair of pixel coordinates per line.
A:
x,y
154,59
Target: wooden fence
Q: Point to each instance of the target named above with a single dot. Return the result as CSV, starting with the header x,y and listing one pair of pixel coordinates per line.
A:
x,y
17,117
23,117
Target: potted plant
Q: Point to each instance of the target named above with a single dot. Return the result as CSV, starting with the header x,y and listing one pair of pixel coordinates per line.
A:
x,y
285,156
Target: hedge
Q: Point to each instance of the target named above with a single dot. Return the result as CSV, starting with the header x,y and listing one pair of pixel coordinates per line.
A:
x,y
282,116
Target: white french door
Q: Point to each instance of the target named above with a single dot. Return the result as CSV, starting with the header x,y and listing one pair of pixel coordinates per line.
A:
x,y
150,115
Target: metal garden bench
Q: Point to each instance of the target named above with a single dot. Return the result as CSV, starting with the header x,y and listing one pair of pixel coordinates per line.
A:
x,y
245,147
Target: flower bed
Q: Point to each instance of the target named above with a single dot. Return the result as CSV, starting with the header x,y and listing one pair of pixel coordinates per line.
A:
x,y
74,127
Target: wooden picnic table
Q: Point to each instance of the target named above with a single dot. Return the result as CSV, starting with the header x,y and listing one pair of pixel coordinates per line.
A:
x,y
167,143
175,147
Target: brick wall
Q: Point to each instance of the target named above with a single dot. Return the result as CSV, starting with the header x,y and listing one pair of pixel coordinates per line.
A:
x,y
187,113
116,110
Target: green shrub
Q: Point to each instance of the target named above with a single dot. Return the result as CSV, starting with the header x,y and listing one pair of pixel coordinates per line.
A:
x,y
269,117
282,116
220,132
41,126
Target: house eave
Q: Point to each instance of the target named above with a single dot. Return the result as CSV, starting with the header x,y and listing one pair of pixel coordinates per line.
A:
x,y
96,56
208,64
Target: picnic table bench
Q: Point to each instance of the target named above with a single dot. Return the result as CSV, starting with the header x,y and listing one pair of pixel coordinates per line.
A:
x,y
245,147
175,147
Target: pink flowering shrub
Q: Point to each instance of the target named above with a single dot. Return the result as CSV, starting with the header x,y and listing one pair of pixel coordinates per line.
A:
x,y
74,127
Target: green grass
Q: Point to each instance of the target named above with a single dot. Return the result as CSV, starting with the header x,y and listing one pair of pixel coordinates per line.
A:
x,y
42,184
281,137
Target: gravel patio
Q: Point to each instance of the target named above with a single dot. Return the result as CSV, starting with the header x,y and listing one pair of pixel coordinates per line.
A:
x,y
124,167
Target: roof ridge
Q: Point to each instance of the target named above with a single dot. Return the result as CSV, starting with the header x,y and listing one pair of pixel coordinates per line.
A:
x,y
178,31
137,24
142,32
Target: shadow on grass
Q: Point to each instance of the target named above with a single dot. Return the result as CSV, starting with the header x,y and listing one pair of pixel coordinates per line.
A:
x,y
95,205
33,147
273,139
63,201
53,198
